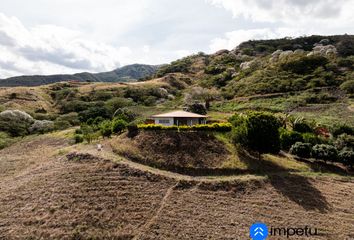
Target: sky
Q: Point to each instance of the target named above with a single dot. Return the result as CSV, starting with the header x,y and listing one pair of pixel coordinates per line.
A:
x,y
69,36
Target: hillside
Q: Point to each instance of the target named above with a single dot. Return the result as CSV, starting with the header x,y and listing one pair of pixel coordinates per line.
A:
x,y
127,73
78,160
51,190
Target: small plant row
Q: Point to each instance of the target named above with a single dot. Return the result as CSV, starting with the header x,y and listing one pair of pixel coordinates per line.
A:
x,y
216,127
324,152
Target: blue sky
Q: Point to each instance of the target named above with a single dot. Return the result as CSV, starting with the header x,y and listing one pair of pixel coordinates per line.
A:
x,y
68,36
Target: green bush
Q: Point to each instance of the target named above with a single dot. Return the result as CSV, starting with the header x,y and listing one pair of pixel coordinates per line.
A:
x,y
72,118
217,127
347,158
88,133
311,138
302,127
125,114
301,149
15,122
325,152
133,130
288,138
61,124
94,112
78,131
78,138
344,141
117,103
348,86
5,140
304,64
118,125
338,130
106,128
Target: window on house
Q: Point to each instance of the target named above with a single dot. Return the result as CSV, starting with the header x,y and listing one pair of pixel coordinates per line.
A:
x,y
164,121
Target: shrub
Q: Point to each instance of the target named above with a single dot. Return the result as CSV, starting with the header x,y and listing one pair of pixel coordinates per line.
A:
x,y
217,127
347,158
78,131
118,125
88,133
133,130
41,126
118,102
288,138
302,127
5,140
93,112
61,124
344,141
301,149
304,64
348,86
72,118
311,138
338,130
125,114
15,122
325,152
106,128
78,138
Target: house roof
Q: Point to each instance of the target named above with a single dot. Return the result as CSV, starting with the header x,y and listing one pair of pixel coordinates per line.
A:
x,y
180,114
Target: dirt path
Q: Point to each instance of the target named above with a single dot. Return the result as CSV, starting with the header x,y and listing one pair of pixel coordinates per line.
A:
x,y
43,195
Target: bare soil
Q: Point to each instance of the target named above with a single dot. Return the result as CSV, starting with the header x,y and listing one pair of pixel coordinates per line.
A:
x,y
81,195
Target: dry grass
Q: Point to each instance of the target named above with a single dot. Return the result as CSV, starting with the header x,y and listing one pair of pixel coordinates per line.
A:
x,y
45,196
26,98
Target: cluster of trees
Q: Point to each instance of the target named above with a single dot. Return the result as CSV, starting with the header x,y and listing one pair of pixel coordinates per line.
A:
x,y
93,128
266,133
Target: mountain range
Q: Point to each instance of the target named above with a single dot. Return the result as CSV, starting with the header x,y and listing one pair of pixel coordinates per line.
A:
x,y
128,73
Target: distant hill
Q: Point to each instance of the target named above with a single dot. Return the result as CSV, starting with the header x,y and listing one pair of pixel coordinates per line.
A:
x,y
127,73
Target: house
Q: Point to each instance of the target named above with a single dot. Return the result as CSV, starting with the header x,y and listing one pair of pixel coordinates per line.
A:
x,y
179,118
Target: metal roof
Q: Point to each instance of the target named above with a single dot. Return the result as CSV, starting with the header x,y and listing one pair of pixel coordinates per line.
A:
x,y
179,114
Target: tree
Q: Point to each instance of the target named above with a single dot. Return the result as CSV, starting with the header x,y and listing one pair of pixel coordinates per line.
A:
x,y
263,132
258,131
201,95
106,128
118,125
197,108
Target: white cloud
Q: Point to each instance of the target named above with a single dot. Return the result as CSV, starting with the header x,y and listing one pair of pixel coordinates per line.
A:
x,y
288,11
285,18
232,39
48,49
85,35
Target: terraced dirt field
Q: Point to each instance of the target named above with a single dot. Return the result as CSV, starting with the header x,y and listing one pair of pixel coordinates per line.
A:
x,y
81,194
